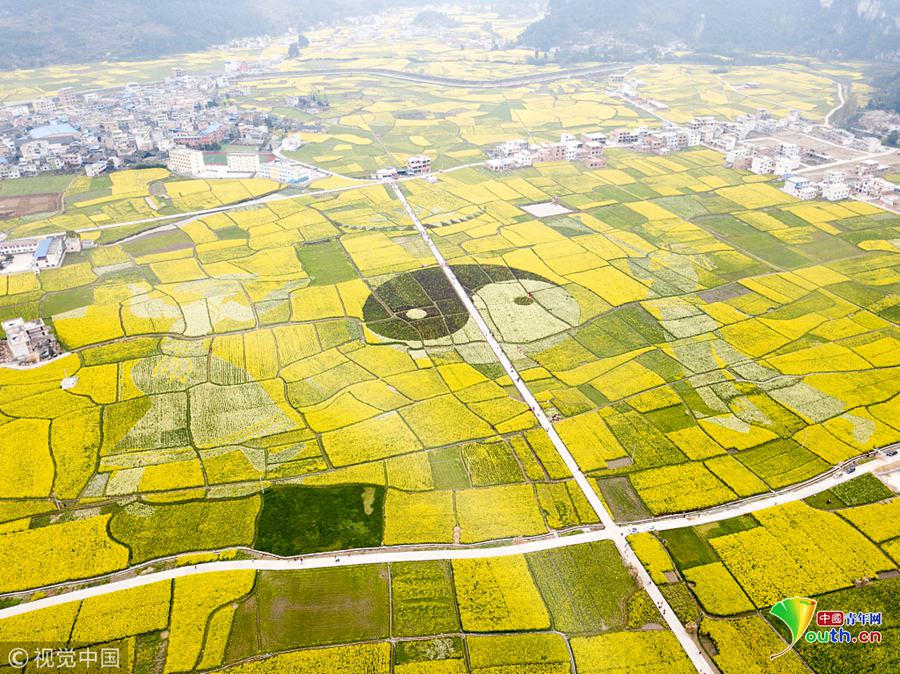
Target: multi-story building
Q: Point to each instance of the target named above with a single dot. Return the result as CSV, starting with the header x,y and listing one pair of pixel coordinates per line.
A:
x,y
800,187
785,164
43,106
29,342
186,161
95,169
549,152
67,97
834,177
594,138
284,171
788,149
762,164
18,246
242,162
511,147
49,253
418,165
870,187
835,191
521,159
867,168
739,156
625,136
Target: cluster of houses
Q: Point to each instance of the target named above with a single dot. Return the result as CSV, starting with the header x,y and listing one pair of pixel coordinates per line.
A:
x,y
519,153
416,165
137,125
784,158
589,147
836,185
36,254
192,162
27,342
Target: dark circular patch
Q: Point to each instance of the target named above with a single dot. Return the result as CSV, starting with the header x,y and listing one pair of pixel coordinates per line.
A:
x,y
386,310
524,300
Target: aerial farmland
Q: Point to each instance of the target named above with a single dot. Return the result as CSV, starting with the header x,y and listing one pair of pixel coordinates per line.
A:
x,y
571,416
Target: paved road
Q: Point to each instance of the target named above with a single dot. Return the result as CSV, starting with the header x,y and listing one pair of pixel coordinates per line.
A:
x,y
755,503
433,553
220,209
424,78
843,162
353,558
320,561
261,201
617,533
841,104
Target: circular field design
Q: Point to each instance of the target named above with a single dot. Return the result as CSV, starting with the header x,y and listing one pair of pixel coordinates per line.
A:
x,y
422,306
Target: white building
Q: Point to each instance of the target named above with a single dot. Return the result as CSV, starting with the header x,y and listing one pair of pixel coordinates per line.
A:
x,y
389,173
785,164
95,169
418,165
835,191
572,149
186,161
284,171
29,342
507,163
242,162
800,187
511,147
762,165
18,246
834,177
788,149
49,253
738,154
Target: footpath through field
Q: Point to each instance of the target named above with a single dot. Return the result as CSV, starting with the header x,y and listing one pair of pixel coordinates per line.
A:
x,y
617,533
612,531
434,553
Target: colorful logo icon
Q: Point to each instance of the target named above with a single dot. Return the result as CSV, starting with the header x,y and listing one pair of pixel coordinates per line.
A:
x,y
797,613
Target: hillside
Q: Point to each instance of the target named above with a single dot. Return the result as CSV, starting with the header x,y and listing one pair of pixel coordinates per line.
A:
x,y
822,27
45,32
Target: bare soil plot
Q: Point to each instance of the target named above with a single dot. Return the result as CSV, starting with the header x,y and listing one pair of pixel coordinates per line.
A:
x,y
29,204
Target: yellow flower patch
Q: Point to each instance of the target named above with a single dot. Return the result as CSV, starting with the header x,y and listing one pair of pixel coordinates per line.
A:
x,y
498,595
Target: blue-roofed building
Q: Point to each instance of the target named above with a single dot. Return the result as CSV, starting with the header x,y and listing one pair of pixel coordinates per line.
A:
x,y
49,253
54,133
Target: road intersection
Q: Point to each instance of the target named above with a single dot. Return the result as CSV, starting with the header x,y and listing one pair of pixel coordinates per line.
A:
x,y
612,531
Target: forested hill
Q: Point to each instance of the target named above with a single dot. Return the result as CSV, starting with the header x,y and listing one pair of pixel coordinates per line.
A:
x,y
44,32
848,28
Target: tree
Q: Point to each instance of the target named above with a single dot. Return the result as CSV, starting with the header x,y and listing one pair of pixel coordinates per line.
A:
x,y
293,51
302,40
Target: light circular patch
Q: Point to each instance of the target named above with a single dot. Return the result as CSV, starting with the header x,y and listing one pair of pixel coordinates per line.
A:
x,y
515,321
416,314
